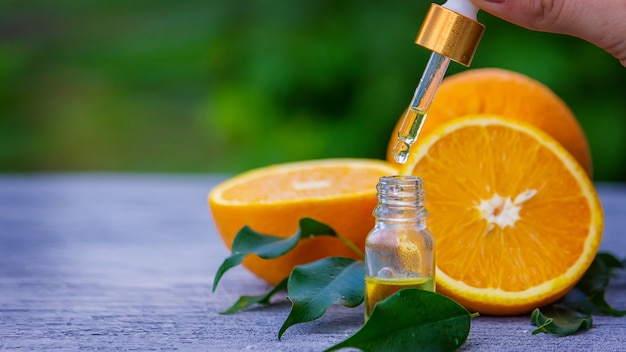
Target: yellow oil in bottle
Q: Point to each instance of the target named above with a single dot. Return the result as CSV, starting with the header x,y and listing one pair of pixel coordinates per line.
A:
x,y
377,289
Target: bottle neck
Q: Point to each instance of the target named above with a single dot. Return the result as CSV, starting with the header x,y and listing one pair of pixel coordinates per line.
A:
x,y
400,200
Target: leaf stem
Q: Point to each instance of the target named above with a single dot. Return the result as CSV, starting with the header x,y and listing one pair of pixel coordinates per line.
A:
x,y
352,246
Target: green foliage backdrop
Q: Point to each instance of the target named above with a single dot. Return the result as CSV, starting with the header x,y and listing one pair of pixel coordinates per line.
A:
x,y
225,86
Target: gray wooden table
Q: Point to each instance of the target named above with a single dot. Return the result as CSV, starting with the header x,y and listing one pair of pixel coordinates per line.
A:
x,y
125,262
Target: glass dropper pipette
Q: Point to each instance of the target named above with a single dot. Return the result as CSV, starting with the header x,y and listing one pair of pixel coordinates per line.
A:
x,y
451,32
415,115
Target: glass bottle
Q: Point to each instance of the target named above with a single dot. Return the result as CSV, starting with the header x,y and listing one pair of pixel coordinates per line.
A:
x,y
399,251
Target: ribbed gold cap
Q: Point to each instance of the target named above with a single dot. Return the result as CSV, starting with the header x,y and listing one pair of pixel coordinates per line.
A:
x,y
450,34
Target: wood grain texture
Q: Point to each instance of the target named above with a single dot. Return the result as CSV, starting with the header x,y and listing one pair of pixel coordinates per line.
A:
x,y
126,262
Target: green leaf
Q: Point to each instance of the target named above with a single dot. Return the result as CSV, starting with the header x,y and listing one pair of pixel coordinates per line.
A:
x,y
588,295
247,242
573,313
248,301
412,319
316,286
596,278
610,260
561,321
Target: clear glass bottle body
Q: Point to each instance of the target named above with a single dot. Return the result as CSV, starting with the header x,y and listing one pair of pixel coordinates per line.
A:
x,y
399,251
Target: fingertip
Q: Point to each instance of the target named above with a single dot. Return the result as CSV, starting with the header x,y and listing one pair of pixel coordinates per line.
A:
x,y
492,6
488,1
509,10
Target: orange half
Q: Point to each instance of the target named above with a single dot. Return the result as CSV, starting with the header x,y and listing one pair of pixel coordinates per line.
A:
x,y
272,199
516,219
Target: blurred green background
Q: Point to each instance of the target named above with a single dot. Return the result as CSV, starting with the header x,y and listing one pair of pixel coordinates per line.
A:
x,y
225,86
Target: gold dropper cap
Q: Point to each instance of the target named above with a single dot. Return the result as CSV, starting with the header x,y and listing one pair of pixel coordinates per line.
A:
x,y
450,34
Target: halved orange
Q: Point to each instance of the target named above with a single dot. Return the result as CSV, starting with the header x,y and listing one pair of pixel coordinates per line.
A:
x,y
516,219
272,199
506,93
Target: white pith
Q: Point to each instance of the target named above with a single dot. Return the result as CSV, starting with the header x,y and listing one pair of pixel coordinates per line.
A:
x,y
316,184
503,211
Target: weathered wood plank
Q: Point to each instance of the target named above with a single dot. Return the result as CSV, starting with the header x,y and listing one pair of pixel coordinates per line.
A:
x,y
126,262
